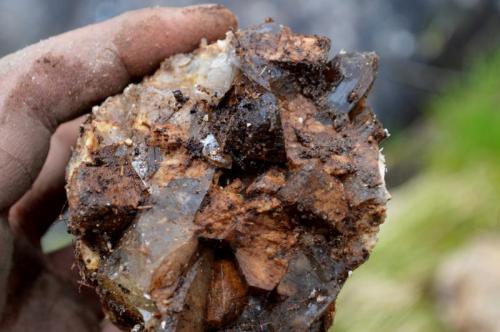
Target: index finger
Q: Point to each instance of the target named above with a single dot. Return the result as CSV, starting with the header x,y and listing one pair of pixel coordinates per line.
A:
x,y
58,79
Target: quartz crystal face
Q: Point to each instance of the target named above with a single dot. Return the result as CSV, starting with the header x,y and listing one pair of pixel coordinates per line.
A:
x,y
233,190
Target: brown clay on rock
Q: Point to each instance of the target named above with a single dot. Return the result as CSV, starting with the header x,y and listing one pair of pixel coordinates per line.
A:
x,y
268,183
314,191
263,248
233,190
257,229
107,193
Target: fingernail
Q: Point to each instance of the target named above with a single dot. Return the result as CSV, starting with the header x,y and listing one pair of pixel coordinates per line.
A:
x,y
214,9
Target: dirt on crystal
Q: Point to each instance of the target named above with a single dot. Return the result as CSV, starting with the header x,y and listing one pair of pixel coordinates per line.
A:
x,y
233,190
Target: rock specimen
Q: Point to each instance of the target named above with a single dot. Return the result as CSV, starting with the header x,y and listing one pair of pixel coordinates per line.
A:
x,y
233,190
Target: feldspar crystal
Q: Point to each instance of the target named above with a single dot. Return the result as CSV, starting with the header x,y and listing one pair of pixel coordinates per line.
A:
x,y
233,190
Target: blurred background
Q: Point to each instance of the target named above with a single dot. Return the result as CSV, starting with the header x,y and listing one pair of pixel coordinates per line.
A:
x,y
437,264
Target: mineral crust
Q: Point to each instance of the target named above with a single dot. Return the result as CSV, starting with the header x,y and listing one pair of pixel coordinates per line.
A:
x,y
234,190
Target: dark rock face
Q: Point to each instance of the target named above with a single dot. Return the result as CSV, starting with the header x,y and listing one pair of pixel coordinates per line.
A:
x,y
234,190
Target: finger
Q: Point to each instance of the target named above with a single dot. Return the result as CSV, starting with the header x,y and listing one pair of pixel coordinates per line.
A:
x,y
62,264
38,300
107,326
31,215
59,78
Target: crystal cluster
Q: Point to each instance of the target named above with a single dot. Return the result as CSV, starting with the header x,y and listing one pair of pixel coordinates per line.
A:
x,y
233,190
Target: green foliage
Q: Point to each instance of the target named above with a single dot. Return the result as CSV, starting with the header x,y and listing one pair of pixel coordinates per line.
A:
x,y
467,120
454,198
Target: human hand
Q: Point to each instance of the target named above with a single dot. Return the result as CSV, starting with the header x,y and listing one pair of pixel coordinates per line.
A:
x,y
44,88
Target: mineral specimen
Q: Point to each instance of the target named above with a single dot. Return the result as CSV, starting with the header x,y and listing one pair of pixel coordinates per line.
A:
x,y
233,190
